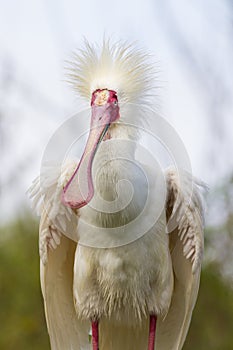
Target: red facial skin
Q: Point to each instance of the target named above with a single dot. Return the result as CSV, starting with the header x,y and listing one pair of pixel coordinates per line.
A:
x,y
112,96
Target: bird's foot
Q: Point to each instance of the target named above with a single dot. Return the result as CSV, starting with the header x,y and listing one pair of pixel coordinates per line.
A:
x,y
152,330
95,335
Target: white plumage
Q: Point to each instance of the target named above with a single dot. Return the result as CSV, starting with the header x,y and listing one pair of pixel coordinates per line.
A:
x,y
121,67
121,286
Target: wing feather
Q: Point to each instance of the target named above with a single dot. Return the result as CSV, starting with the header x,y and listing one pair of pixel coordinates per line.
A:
x,y
57,225
185,213
185,216
45,195
66,331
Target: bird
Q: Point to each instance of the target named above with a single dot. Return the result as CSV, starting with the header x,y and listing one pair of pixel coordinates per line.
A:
x,y
117,273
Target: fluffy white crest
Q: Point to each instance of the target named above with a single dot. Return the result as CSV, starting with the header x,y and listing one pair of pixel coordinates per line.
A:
x,y
116,66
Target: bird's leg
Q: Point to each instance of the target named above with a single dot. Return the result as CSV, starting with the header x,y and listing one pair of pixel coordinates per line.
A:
x,y
152,329
95,335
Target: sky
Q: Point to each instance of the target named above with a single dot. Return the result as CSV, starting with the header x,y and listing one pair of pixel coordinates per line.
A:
x,y
192,44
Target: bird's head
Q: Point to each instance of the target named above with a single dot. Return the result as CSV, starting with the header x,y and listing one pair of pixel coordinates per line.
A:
x,y
120,73
104,111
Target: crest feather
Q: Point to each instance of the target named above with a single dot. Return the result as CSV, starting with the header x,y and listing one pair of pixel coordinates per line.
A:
x,y
116,66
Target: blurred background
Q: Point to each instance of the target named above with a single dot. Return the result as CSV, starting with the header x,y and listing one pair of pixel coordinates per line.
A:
x,y
192,43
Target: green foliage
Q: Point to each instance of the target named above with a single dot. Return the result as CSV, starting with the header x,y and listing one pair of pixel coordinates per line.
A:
x,y
211,326
21,307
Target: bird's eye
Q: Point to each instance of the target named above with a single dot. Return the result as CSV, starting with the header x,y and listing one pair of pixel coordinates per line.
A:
x,y
115,103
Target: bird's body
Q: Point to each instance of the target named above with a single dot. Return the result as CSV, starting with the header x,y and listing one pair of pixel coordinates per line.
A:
x,y
110,273
126,274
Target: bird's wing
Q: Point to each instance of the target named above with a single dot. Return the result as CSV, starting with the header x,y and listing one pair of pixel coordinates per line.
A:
x,y
184,209
57,225
45,195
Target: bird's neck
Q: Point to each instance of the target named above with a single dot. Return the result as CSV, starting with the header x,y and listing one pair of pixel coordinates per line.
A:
x,y
113,161
119,182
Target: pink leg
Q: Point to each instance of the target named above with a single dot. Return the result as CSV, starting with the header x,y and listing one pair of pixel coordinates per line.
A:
x,y
152,329
95,335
